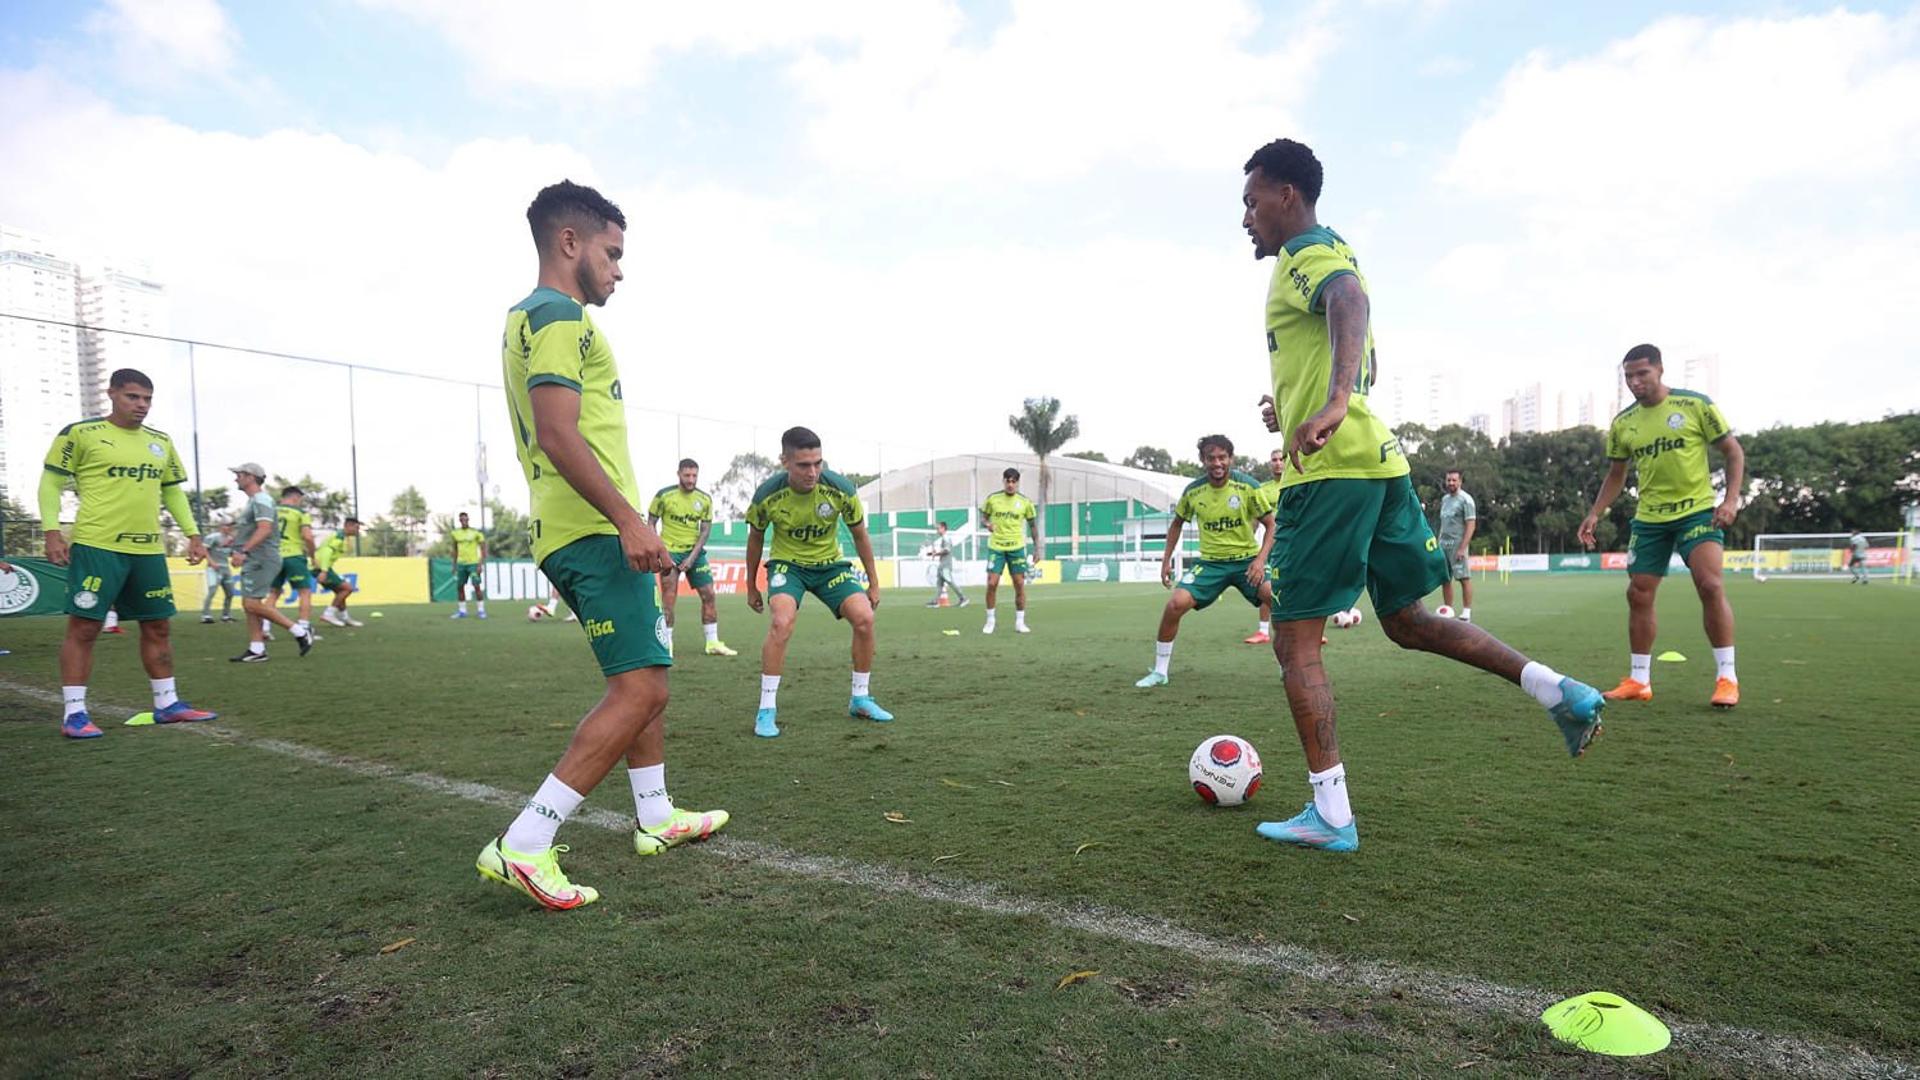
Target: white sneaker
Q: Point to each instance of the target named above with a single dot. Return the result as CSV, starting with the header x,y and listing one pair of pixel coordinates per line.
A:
x,y
1021,628
327,616
350,620
987,629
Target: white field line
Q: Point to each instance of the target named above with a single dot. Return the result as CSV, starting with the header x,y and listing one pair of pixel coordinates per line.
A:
x,y
1737,1046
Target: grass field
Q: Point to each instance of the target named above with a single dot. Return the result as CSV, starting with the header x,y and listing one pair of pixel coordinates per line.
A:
x,y
181,904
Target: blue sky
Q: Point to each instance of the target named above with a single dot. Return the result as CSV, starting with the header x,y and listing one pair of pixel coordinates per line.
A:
x,y
927,207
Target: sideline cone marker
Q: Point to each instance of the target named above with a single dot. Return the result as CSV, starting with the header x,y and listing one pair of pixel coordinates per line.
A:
x,y
1606,1023
139,719
1672,657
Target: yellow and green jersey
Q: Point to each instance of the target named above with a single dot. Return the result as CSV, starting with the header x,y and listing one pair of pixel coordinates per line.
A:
x,y
681,514
1226,516
1008,516
1667,444
550,340
1270,491
121,475
805,524
328,551
292,520
466,545
1300,360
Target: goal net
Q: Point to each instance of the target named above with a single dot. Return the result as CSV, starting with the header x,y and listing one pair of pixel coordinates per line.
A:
x,y
1827,556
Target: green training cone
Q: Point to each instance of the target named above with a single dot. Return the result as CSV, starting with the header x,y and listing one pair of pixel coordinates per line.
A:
x,y
1672,657
1607,1024
139,718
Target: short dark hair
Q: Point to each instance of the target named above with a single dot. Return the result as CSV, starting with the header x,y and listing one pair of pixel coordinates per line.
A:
x,y
798,438
128,376
463,513
939,524
1452,472
688,463
568,203
351,521
291,489
1011,474
1644,352
1284,161
1220,441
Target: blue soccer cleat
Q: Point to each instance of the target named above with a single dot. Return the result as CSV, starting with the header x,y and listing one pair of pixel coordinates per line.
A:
x,y
182,713
1578,714
483,614
1309,829
863,707
458,615
763,724
80,726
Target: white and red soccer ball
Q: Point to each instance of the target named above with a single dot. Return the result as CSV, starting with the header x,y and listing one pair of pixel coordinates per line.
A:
x,y
1224,770
537,612
1348,619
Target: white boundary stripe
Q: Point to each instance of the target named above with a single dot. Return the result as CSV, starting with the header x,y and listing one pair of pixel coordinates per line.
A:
x,y
1734,1045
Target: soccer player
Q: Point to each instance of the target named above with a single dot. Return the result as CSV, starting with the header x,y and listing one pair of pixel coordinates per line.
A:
x,y
1008,516
123,472
1270,491
256,527
802,505
324,556
1857,561
942,550
590,540
1226,505
1665,434
469,555
1457,523
688,513
296,548
219,574
1348,517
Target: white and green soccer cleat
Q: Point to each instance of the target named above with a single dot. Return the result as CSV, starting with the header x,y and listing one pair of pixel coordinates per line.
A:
x,y
537,876
1151,679
684,827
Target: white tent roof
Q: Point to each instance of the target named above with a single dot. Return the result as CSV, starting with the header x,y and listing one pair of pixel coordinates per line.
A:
x,y
962,480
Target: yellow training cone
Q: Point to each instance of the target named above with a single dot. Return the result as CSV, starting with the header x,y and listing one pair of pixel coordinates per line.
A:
x,y
1672,657
1607,1024
139,718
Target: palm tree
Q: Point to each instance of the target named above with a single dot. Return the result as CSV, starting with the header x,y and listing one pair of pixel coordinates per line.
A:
x,y
1044,430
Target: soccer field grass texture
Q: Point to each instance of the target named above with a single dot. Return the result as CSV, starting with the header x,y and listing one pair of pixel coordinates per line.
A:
x,y
1755,868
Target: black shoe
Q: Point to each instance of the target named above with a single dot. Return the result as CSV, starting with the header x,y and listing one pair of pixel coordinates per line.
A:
x,y
226,618
250,657
206,619
305,641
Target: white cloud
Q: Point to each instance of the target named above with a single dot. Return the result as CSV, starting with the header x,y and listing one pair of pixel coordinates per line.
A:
x,y
154,40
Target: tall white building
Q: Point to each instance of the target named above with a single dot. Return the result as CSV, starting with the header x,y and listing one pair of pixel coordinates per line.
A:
x,y
1701,374
124,297
39,361
1523,412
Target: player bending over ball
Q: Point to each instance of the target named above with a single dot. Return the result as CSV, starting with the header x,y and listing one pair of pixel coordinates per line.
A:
x,y
688,514
803,506
1226,505
1009,517
324,556
1348,518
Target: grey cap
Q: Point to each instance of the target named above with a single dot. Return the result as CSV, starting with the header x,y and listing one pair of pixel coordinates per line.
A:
x,y
252,467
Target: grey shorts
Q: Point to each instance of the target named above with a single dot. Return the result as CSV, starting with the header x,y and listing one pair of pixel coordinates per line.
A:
x,y
257,574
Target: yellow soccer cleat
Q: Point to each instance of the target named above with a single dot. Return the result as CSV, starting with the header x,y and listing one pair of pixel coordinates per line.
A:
x,y
683,827
717,647
538,876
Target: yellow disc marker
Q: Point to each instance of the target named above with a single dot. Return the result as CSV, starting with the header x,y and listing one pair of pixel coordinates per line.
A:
x,y
1607,1024
138,719
1672,657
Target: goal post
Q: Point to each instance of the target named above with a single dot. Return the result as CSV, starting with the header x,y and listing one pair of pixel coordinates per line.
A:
x,y
1829,556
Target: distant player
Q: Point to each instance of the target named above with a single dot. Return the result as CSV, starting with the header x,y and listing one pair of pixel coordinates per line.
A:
x,y
1009,517
564,398
1458,519
220,577
328,552
1348,517
1665,434
1857,560
123,472
803,505
1270,491
469,557
296,551
687,513
1226,505
256,554
941,550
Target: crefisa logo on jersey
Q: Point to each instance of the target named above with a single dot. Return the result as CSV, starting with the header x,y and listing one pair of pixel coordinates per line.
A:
x,y
19,588
1676,421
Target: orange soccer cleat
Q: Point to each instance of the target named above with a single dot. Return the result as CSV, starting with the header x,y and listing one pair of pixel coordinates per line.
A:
x,y
1726,693
1630,689
1260,638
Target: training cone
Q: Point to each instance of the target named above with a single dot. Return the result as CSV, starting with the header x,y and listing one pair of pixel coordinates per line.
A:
x,y
1671,657
1606,1023
378,615
139,719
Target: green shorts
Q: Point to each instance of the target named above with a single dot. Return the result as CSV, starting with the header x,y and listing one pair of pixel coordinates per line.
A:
x,y
1014,562
258,573
293,571
1207,579
465,572
1651,547
1334,538
329,580
697,575
833,583
615,602
139,587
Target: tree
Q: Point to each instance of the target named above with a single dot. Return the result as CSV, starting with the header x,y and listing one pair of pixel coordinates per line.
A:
x,y
19,534
744,473
1150,458
1190,469
509,533
1040,425
861,479
383,537
409,514
1089,455
207,501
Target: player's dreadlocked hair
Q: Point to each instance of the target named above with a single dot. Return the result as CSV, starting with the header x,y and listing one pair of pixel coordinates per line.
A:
x,y
1220,441
1284,161
1644,352
568,203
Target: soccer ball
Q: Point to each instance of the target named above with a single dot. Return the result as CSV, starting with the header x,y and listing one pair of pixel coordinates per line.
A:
x,y
1348,619
536,613
1444,611
1224,770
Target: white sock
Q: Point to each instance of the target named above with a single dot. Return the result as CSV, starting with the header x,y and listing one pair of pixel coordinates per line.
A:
x,y
553,605
711,629
862,682
303,626
1330,796
1641,664
769,689
75,699
163,692
650,803
482,605
532,832
991,615
1260,628
266,626
1162,656
256,647
463,607
1020,617
1723,659
1542,682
